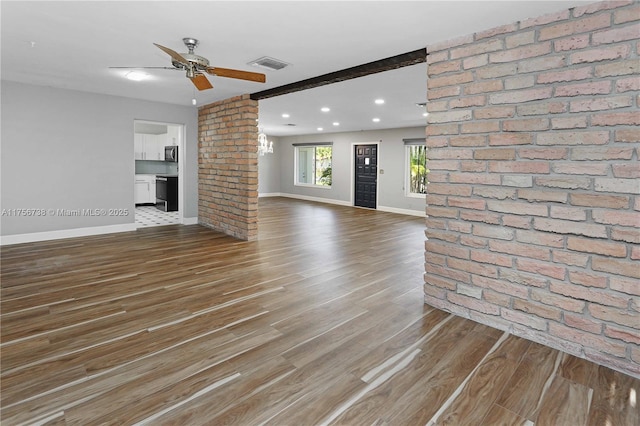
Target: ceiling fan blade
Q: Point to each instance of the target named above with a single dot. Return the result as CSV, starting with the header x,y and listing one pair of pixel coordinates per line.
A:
x,y
201,82
175,55
242,75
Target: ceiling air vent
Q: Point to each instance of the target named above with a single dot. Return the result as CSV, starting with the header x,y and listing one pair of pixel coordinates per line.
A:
x,y
269,63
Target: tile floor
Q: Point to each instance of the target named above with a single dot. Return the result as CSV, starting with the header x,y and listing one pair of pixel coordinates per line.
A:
x,y
151,216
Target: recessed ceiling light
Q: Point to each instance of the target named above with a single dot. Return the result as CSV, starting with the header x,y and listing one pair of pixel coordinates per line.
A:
x,y
136,75
376,120
379,101
335,123
320,129
285,115
325,109
426,114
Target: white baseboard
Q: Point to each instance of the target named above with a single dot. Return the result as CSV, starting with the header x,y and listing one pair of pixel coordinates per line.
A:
x,y
65,233
316,199
190,220
402,211
270,194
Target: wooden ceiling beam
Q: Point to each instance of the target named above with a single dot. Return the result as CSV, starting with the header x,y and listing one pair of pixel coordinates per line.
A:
x,y
387,64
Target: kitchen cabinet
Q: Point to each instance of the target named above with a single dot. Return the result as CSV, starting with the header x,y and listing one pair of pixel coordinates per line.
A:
x,y
173,135
149,147
145,189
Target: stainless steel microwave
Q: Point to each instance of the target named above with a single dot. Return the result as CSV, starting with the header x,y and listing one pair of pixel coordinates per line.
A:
x,y
171,153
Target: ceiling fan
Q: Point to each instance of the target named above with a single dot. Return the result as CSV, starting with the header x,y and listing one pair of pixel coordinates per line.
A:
x,y
196,65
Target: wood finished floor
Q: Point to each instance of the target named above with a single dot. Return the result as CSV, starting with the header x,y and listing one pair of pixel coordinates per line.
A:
x,y
321,321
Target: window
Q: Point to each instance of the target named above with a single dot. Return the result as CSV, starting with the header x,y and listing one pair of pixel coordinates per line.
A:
x,y
313,164
416,176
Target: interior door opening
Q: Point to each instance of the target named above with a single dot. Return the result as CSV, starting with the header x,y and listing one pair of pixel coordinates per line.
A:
x,y
159,160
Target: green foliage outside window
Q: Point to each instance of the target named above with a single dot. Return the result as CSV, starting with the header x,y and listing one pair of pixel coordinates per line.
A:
x,y
418,169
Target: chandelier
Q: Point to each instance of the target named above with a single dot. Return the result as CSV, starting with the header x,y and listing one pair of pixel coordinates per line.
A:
x,y
264,146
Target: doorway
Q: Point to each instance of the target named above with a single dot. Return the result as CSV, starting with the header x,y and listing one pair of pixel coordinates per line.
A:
x,y
151,165
366,175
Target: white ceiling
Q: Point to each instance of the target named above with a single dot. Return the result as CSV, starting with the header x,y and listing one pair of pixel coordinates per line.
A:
x,y
72,44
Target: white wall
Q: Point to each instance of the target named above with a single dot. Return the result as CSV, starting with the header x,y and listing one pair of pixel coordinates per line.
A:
x,y
391,158
64,149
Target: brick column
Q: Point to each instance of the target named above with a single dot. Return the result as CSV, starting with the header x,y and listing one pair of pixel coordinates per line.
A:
x,y
228,167
533,203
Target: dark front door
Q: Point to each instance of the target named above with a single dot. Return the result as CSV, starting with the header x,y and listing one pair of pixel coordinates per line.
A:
x,y
366,175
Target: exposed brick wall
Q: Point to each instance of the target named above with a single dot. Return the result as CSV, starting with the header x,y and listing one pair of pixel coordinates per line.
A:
x,y
228,167
533,208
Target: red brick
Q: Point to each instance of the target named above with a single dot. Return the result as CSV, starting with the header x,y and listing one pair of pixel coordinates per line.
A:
x,y
473,304
628,84
592,88
568,75
546,19
443,92
520,39
474,178
519,53
600,103
616,119
543,268
579,321
599,6
495,71
476,49
435,57
627,135
570,258
443,165
568,227
561,123
542,64
616,266
569,182
601,153
562,302
446,249
568,213
442,212
533,167
473,166
631,170
483,87
468,102
449,153
520,249
573,138
499,193
486,217
594,295
471,140
574,27
628,335
494,112
618,316
466,203
475,61
627,235
449,116
524,319
525,125
474,242
598,247
615,68
496,298
594,169
449,80
615,35
597,200
495,154
447,189
617,218
519,208
624,285
437,106
491,258
626,15
540,238
572,43
472,267
589,280
630,186
501,139
520,96
543,108
441,129
480,127
444,67
603,54
543,153
545,196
